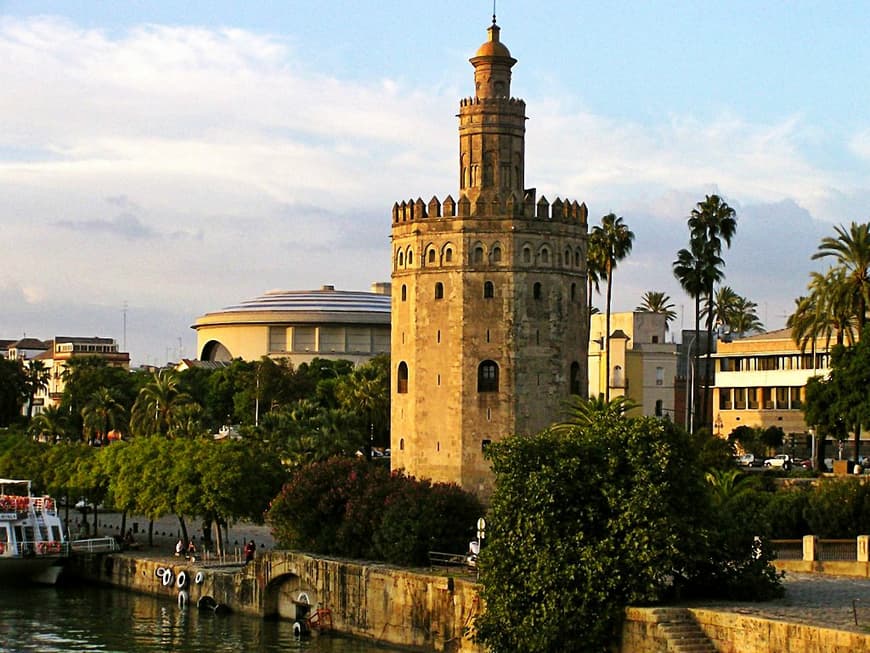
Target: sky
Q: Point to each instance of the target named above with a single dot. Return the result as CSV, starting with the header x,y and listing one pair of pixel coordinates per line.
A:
x,y
163,159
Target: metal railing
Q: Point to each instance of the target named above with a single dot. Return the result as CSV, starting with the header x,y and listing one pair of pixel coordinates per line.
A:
x,y
95,545
811,548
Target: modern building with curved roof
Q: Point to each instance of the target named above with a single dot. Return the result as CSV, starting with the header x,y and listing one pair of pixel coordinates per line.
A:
x,y
299,325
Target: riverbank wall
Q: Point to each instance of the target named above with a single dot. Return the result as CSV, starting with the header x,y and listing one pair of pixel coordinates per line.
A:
x,y
426,611
420,611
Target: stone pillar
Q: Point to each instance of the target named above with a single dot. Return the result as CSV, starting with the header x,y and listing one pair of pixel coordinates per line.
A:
x,y
864,548
811,543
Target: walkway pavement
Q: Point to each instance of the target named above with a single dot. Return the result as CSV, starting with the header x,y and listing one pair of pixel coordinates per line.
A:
x,y
821,600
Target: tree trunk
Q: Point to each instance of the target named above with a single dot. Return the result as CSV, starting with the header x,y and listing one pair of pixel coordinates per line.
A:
x,y
150,532
708,356
857,444
123,524
183,526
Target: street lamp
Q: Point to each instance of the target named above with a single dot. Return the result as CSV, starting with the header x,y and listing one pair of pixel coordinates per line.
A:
x,y
718,425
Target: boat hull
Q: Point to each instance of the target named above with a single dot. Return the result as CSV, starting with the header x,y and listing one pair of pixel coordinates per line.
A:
x,y
44,570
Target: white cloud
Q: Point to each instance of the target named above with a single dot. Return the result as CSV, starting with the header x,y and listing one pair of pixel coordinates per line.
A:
x,y
184,169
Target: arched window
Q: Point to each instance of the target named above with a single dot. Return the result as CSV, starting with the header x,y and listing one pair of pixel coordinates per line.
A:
x,y
478,254
404,292
527,254
536,290
575,378
487,376
401,444
402,378
577,258
488,290
496,254
545,256
448,255
567,257
618,380
410,257
439,290
401,259
432,255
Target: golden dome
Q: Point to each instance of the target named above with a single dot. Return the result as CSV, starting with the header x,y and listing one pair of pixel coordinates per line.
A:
x,y
493,47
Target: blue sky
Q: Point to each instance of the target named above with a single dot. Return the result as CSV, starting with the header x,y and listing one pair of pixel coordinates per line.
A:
x,y
183,156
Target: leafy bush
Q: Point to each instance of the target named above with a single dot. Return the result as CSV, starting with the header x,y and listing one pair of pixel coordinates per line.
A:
x,y
784,514
838,508
352,508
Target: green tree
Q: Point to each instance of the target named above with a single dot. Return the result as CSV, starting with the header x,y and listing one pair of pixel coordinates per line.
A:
x,y
583,522
711,224
851,250
84,375
612,240
825,313
655,301
366,392
13,389
102,413
51,423
158,404
37,379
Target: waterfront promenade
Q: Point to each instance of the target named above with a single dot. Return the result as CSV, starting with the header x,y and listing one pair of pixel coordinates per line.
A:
x,y
814,599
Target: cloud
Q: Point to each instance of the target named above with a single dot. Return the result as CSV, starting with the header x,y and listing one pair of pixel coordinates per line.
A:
x,y
220,162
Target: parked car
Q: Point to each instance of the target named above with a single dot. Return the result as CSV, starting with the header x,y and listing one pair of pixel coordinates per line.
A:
x,y
748,460
781,460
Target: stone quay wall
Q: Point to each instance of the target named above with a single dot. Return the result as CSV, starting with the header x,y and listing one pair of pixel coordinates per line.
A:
x,y
425,612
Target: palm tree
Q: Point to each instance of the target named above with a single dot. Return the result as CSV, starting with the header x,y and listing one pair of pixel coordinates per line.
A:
x,y
613,240
594,272
711,223
102,413
654,301
156,406
51,422
827,312
744,317
584,412
851,250
37,379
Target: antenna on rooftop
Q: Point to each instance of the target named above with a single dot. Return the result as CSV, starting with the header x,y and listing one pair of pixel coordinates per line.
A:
x,y
124,312
493,12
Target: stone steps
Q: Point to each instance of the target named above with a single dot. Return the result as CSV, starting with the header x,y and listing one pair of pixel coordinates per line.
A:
x,y
682,632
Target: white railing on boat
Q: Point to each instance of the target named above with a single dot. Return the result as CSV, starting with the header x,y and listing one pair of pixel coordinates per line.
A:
x,y
95,545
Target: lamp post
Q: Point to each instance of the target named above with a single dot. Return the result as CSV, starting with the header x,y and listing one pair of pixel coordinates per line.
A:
x,y
718,425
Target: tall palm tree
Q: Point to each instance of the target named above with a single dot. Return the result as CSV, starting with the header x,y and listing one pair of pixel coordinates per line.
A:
x,y
51,423
37,379
827,312
594,273
613,239
851,250
102,413
711,223
655,301
744,317
155,407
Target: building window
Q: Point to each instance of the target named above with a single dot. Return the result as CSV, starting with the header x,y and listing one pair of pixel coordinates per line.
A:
x,y
448,255
401,259
487,335
488,290
527,254
410,257
659,407
401,444
431,255
545,256
439,290
484,444
660,376
536,290
438,336
487,376
496,254
402,378
478,254
573,292
404,292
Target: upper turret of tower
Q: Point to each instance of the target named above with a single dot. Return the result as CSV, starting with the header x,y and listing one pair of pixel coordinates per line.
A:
x,y
492,67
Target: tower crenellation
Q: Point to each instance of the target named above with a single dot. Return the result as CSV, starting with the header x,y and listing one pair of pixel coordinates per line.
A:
x,y
489,317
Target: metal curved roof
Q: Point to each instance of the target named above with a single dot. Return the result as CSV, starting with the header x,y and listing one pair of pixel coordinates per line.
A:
x,y
325,300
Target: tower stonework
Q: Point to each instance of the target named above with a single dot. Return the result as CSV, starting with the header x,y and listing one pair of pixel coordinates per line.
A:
x,y
489,321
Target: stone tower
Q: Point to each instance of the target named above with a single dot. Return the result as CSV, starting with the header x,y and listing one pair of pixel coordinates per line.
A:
x,y
489,324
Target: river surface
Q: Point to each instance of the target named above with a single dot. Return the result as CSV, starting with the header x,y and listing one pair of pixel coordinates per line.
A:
x,y
85,618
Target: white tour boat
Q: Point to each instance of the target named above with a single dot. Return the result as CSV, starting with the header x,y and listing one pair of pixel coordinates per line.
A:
x,y
32,544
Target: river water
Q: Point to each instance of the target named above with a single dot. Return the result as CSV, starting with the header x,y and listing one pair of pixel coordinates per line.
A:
x,y
85,618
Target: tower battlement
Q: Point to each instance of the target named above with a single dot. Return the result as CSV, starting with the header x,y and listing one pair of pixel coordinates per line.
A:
x,y
493,206
474,101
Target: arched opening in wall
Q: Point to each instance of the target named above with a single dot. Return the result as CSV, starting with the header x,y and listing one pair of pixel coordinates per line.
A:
x,y
537,292
215,351
448,255
401,259
404,292
527,254
488,290
487,376
545,256
660,407
575,378
410,257
431,255
402,378
618,378
401,444
567,257
496,254
477,255
438,336
573,292
439,290
282,594
577,258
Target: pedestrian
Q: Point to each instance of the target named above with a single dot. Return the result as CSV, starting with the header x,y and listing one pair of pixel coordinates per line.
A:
x,y
179,547
250,550
191,551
